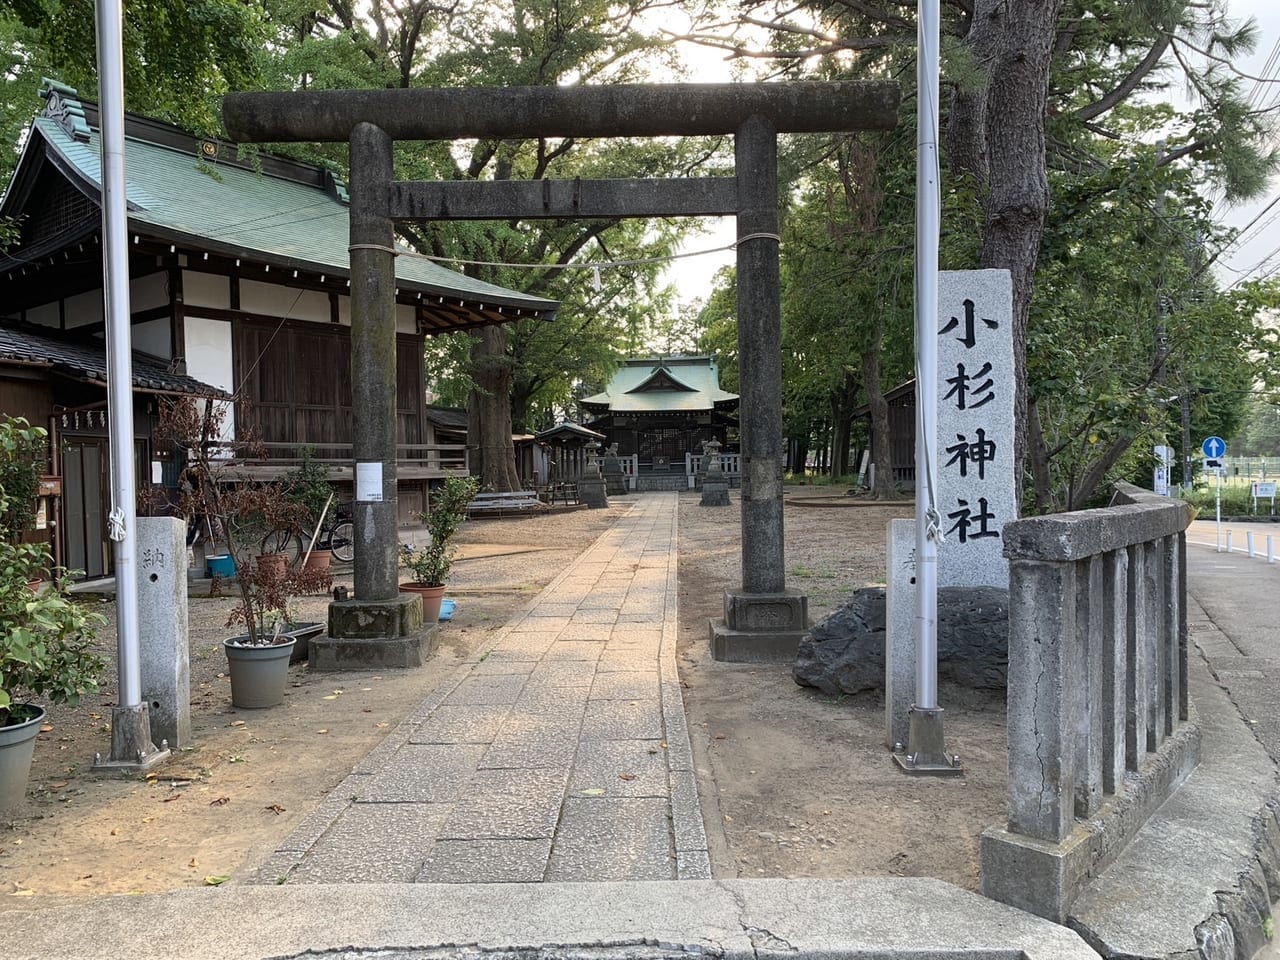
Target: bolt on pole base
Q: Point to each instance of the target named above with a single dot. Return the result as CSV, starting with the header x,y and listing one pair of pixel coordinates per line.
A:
x,y
131,748
924,754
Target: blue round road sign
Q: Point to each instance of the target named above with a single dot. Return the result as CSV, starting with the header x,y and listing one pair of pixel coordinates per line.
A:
x,y
1215,448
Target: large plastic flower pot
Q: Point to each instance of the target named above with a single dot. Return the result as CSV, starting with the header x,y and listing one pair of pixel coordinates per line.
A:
x,y
17,747
259,674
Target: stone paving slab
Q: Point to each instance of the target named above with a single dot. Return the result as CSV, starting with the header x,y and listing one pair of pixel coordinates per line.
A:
x,y
613,839
560,753
374,843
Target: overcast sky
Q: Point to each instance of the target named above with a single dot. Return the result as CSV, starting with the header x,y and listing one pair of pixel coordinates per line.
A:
x,y
1256,254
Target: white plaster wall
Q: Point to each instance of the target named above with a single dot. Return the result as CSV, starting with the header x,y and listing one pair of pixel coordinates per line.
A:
x,y
405,322
275,301
84,309
208,351
406,315
205,290
153,337
46,315
146,293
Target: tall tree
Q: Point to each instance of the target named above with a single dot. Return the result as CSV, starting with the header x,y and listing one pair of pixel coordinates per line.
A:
x,y
1038,86
517,375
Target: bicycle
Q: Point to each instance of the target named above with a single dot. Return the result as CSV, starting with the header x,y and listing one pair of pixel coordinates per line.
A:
x,y
337,533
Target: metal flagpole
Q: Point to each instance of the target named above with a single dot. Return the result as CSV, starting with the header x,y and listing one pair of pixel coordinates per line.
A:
x,y
131,746
925,753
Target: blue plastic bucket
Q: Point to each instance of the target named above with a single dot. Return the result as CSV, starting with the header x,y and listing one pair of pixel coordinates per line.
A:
x,y
446,609
222,565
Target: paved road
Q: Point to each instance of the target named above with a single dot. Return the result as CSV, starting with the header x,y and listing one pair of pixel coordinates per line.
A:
x,y
559,754
1240,596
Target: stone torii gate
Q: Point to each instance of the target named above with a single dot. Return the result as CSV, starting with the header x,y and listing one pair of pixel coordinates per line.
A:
x,y
763,620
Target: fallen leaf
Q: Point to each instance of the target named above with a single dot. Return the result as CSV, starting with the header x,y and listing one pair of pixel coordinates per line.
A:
x,y
381,725
219,801
46,728
728,819
194,862
147,819
366,709
626,776
171,797
215,881
663,744
323,730
57,785
332,697
274,808
23,892
115,831
236,723
87,876
365,689
95,716
336,692
593,792
718,736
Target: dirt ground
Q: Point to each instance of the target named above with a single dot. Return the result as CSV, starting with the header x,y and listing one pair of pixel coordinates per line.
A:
x,y
794,783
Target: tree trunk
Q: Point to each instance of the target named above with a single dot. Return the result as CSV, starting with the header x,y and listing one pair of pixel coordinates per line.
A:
x,y
489,413
841,421
885,486
1016,42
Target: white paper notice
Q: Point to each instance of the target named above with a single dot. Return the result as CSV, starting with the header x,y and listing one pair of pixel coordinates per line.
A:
x,y
369,482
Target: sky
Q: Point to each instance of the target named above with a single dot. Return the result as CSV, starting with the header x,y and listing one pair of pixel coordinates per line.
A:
x,y
1257,252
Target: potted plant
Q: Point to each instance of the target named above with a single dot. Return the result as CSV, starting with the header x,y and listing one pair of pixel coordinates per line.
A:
x,y
46,639
430,564
248,513
24,452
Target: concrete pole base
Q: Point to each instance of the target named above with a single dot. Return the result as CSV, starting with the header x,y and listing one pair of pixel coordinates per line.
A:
x,y
132,751
925,753
760,627
373,635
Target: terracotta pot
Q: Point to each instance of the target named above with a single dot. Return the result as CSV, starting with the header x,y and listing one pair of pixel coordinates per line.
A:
x,y
431,597
319,560
276,563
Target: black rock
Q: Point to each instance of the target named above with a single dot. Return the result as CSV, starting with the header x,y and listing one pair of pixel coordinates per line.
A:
x,y
845,652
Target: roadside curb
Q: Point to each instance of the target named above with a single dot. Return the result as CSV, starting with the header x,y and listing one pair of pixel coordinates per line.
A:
x,y
1198,881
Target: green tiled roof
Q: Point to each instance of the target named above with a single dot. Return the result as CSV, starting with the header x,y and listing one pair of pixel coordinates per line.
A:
x,y
176,195
692,384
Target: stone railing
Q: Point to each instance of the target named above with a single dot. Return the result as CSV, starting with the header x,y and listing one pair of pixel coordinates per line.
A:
x,y
1097,701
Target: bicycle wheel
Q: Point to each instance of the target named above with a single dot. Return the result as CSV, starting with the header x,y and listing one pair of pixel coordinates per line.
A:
x,y
342,541
282,541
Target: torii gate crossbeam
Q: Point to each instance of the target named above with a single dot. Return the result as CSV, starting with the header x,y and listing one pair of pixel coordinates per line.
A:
x,y
764,620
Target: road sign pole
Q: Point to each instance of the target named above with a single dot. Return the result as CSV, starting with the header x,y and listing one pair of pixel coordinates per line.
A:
x,y
1218,513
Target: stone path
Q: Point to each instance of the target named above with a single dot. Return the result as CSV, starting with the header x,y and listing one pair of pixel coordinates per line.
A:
x,y
559,754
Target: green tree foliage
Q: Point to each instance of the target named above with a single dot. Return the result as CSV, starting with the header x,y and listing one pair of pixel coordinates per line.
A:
x,y
1067,99
180,56
517,376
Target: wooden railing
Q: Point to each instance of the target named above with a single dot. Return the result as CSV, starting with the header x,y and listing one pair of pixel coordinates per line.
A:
x,y
413,461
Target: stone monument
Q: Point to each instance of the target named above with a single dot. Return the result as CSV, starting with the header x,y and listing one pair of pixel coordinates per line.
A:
x,y
163,628
976,496
615,481
715,486
591,488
